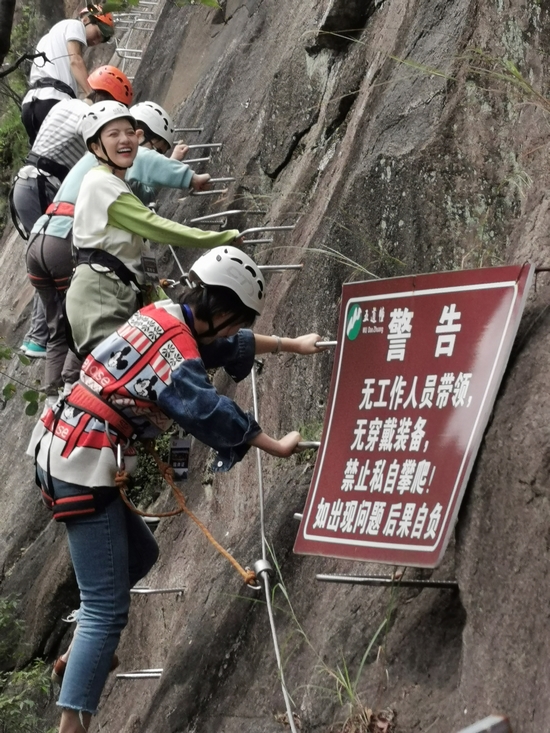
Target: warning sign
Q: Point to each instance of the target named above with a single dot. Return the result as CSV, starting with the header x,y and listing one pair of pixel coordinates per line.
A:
x,y
417,369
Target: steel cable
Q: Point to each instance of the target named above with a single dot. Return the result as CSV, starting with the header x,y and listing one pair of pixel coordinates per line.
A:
x,y
264,575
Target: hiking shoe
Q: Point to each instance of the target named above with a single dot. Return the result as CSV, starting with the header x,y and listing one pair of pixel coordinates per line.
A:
x,y
60,665
34,351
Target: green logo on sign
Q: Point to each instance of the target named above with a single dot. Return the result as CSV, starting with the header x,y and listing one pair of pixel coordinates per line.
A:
x,y
353,326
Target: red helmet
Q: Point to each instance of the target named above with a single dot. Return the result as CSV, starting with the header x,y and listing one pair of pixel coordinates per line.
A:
x,y
114,81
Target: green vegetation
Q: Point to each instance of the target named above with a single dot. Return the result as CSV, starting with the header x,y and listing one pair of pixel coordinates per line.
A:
x,y
311,431
31,396
24,693
147,483
13,138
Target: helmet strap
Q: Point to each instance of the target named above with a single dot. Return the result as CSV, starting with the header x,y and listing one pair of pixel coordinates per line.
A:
x,y
214,330
108,161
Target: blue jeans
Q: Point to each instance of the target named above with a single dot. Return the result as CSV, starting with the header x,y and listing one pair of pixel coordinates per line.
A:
x,y
110,551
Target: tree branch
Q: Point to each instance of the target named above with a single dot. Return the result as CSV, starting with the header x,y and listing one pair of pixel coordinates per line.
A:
x,y
7,10
16,64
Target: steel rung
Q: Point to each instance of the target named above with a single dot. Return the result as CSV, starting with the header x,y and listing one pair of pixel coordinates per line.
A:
x,y
267,228
492,724
198,146
140,674
381,580
212,192
263,268
208,217
280,268
154,591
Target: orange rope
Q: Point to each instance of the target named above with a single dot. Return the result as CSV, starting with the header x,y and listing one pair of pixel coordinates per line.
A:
x,y
121,480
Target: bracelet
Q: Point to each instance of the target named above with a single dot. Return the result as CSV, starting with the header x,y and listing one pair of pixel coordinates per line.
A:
x,y
277,349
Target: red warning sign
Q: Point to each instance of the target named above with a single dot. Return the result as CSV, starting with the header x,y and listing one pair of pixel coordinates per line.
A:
x,y
416,372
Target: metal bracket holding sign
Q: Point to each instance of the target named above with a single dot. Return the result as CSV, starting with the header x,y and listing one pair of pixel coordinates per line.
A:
x,y
417,368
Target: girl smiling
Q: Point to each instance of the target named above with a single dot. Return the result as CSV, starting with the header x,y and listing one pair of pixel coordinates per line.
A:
x,y
110,226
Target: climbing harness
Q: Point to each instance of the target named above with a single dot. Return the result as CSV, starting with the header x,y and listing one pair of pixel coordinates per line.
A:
x,y
115,422
47,82
100,258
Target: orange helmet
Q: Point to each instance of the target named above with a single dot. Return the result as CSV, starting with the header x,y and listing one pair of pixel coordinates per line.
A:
x,y
114,81
104,21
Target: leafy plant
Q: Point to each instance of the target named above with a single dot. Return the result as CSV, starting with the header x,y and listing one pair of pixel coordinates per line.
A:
x,y
13,138
31,396
24,693
119,6
148,483
311,431
11,627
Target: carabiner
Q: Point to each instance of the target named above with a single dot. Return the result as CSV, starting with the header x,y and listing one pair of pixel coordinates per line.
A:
x,y
118,448
120,458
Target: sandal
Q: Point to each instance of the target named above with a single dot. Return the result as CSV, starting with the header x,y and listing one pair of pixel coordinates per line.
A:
x,y
60,665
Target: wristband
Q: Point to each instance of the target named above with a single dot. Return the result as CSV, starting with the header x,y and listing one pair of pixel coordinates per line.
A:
x,y
277,349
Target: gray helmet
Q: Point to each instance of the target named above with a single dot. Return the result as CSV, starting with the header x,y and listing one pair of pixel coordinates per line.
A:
x,y
232,268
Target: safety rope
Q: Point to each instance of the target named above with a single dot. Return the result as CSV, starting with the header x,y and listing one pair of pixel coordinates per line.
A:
x,y
167,473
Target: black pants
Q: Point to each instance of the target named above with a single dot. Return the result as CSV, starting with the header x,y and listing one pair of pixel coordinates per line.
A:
x,y
33,114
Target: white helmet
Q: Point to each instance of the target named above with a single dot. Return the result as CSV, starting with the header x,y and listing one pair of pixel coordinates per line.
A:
x,y
233,269
157,120
100,114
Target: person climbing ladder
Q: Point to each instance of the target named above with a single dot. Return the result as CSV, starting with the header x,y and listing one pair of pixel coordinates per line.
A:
x,y
146,376
110,224
59,73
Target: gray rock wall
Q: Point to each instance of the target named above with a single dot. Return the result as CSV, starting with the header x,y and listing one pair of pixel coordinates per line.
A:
x,y
406,150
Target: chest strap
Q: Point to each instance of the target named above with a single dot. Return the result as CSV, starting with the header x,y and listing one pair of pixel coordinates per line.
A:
x,y
83,399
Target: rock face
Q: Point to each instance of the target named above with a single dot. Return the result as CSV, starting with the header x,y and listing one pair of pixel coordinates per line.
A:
x,y
410,137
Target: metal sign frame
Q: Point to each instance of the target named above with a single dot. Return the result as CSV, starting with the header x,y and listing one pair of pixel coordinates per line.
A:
x,y
505,290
